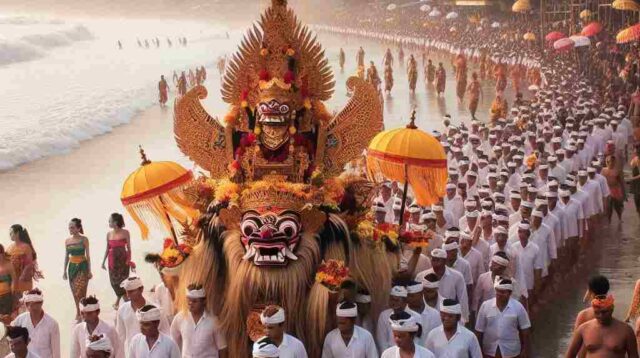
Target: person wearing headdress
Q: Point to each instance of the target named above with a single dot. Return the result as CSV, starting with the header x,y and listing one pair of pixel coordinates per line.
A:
x,y
365,319
462,344
471,255
98,346
265,348
360,341
196,331
429,316
127,323
19,342
44,331
619,337
397,303
150,342
406,329
273,319
503,326
451,283
77,263
92,325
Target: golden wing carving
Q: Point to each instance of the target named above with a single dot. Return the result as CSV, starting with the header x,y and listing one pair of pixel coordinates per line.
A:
x,y
199,136
351,130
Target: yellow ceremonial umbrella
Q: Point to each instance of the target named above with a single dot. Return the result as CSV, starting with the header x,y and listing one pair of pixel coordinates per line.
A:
x,y
626,5
521,6
629,34
153,195
585,14
529,36
410,156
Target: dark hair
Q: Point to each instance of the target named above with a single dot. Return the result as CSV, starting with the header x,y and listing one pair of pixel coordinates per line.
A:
x,y
432,277
89,300
78,223
348,284
15,332
449,302
118,219
599,285
194,286
502,254
146,308
404,315
345,305
34,291
23,236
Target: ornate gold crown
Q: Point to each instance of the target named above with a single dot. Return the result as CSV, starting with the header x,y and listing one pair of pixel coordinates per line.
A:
x,y
273,194
278,82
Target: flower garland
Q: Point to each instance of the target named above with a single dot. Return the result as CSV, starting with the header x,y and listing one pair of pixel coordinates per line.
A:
x,y
331,274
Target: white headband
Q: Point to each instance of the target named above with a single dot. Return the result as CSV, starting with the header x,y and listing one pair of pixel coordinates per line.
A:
x,y
30,298
428,284
498,285
455,309
360,298
151,315
450,233
347,312
90,307
404,325
451,246
415,288
266,349
398,291
101,345
277,318
199,293
131,283
524,226
500,260
439,254
500,230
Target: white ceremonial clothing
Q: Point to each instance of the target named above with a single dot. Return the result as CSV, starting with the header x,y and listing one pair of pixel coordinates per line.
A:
x,y
361,345
291,347
430,318
127,324
461,265
384,334
81,333
367,323
484,248
502,328
553,222
543,237
587,203
463,344
420,352
572,211
453,286
559,172
45,336
604,186
162,296
528,259
476,262
559,213
164,347
30,354
203,339
592,188
581,214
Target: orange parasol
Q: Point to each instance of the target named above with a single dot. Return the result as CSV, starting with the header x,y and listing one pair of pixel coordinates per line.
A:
x,y
153,195
521,6
625,5
410,156
591,29
628,35
554,36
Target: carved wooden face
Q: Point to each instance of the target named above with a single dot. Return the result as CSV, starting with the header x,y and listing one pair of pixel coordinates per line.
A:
x,y
270,239
274,116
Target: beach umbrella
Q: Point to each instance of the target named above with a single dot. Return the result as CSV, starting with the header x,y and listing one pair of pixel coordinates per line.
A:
x,y
625,5
554,36
563,44
580,41
529,36
495,24
435,13
153,195
521,6
392,7
585,14
410,156
425,8
452,15
591,29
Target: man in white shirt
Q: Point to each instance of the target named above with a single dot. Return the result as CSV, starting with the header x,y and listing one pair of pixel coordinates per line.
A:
x,y
457,263
127,324
273,319
397,303
150,342
365,319
462,342
472,256
573,214
162,296
19,343
542,236
451,282
44,331
503,324
360,342
196,332
265,348
430,294
92,325
98,347
529,260
430,317
406,330
453,202
484,287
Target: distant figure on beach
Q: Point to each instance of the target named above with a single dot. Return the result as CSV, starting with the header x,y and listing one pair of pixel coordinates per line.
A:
x,y
157,42
203,72
360,57
192,78
430,72
341,59
182,84
24,259
175,78
77,263
119,45
169,43
139,43
163,90
146,43
118,251
222,63
475,90
184,41
441,79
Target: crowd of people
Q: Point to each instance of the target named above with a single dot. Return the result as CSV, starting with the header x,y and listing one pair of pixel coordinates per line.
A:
x,y
528,190
182,83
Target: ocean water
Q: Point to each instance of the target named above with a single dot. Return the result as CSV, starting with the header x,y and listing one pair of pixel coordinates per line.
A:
x,y
66,81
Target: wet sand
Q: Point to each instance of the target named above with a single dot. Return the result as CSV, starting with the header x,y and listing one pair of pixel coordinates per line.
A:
x,y
86,183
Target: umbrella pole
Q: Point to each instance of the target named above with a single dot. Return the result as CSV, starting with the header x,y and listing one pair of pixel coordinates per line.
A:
x,y
166,214
404,198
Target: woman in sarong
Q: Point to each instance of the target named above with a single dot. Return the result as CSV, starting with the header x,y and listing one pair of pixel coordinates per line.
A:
x,y
388,79
412,73
163,91
441,79
24,259
8,281
430,72
77,262
461,76
474,90
118,252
